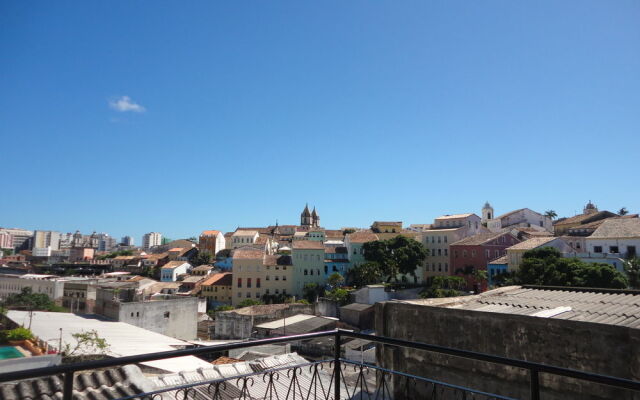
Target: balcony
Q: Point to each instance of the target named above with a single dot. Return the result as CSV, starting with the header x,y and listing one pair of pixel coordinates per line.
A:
x,y
277,377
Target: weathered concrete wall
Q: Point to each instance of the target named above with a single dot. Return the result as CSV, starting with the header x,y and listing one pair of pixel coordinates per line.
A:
x,y
177,318
604,349
327,308
235,325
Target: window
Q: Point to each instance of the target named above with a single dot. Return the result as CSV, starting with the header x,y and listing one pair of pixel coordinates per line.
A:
x,y
167,314
439,239
631,251
440,267
464,253
277,291
239,294
248,295
306,272
257,282
267,291
239,282
497,253
577,245
473,253
487,253
268,267
446,252
597,249
137,313
455,253
284,277
445,239
613,249
248,282
446,266
132,314
257,295
277,278
433,239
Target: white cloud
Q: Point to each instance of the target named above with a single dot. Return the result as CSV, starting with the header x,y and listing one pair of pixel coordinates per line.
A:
x,y
124,104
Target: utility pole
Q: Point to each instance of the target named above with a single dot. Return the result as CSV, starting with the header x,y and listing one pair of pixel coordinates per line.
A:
x,y
60,342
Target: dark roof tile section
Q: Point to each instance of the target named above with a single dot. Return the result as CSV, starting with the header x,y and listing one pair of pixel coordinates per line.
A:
x,y
479,239
618,228
105,385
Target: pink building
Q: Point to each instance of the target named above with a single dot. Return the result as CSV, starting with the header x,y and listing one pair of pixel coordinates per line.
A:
x,y
77,254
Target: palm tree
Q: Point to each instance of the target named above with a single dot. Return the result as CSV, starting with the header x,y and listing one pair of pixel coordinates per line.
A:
x,y
550,214
623,211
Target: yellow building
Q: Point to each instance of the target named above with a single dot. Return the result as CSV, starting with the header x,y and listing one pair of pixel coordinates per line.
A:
x,y
256,274
217,288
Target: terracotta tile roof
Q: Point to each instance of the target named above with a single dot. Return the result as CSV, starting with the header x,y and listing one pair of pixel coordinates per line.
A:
x,y
221,279
176,249
204,267
333,233
585,218
245,233
248,252
454,216
500,260
478,239
225,360
210,233
532,243
173,264
362,237
618,228
307,245
510,213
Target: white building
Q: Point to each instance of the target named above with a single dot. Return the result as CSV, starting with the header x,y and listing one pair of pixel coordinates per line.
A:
x,y
50,285
524,218
616,236
243,238
151,239
171,270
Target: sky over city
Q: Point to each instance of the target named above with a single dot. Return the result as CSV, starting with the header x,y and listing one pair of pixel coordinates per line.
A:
x,y
129,117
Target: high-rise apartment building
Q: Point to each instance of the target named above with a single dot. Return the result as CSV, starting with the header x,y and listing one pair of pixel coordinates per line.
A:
x,y
21,238
127,241
46,239
151,240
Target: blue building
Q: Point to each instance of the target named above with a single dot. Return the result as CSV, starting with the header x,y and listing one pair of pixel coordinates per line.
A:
x,y
496,267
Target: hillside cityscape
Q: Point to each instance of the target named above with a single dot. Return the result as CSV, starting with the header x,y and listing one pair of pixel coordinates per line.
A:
x,y
335,200
268,282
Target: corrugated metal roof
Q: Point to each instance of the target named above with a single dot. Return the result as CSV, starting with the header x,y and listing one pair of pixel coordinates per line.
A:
x,y
589,305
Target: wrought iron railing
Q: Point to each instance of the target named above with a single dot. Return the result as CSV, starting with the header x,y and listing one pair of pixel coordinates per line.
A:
x,y
334,378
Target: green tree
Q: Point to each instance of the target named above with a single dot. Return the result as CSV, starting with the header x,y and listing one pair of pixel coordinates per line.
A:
x,y
623,211
87,344
398,255
632,268
26,299
335,280
202,258
249,302
551,214
368,273
348,231
443,286
339,295
311,291
546,266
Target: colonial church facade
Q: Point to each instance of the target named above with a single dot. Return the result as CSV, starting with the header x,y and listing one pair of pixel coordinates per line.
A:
x,y
309,219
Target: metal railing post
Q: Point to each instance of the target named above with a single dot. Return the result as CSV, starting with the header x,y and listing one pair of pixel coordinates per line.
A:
x,y
67,389
336,366
535,384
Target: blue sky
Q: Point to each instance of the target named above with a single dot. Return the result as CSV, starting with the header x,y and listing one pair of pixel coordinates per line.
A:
x,y
129,117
